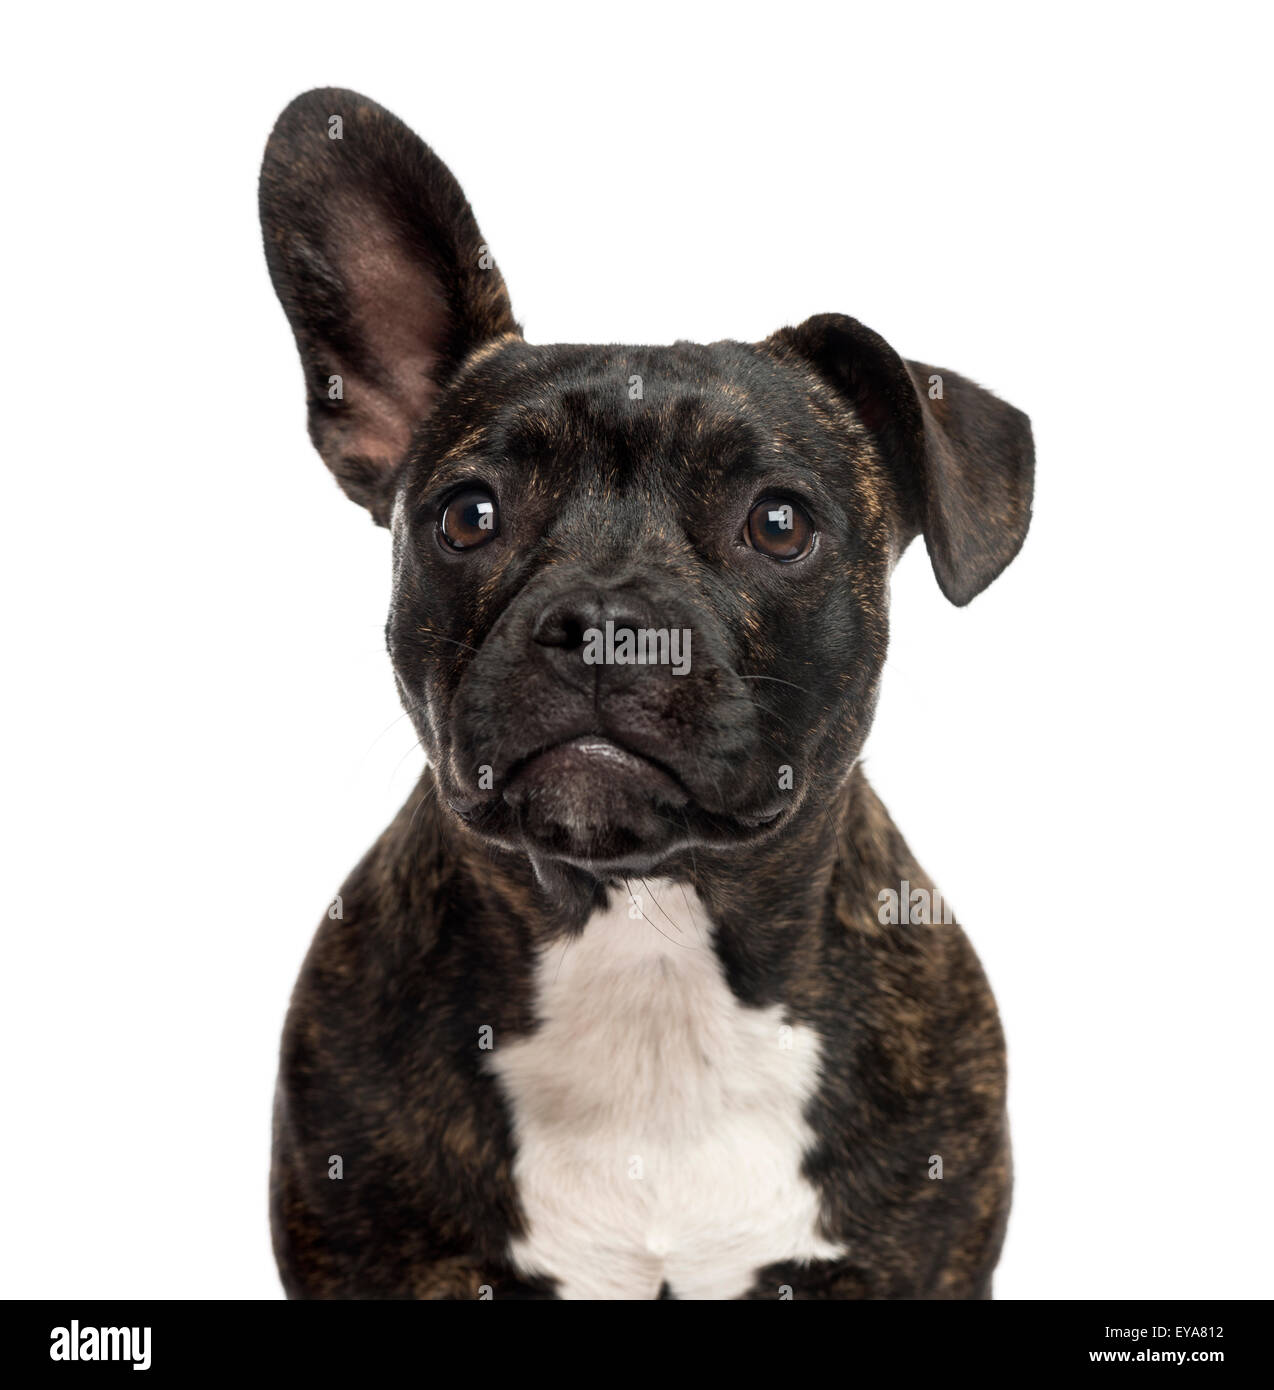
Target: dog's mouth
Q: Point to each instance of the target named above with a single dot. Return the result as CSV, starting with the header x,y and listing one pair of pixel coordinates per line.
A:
x,y
593,802
598,805
592,764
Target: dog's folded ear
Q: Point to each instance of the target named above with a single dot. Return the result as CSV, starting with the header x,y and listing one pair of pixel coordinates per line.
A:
x,y
383,274
963,461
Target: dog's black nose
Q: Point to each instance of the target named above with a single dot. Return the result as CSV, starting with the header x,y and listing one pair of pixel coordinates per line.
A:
x,y
569,620
569,617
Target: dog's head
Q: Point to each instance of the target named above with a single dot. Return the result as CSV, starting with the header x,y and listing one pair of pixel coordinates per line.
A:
x,y
640,594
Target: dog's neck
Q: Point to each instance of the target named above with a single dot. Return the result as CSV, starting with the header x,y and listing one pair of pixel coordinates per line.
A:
x,y
768,903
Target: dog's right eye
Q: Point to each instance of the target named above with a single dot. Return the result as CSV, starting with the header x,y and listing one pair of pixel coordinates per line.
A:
x,y
782,530
470,519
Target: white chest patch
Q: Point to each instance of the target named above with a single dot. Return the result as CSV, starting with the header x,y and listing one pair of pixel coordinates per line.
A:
x,y
659,1123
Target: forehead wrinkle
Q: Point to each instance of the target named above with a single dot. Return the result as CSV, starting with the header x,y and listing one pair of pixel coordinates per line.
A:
x,y
536,422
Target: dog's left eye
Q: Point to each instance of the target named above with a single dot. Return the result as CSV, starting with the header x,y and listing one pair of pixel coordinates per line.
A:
x,y
780,529
471,518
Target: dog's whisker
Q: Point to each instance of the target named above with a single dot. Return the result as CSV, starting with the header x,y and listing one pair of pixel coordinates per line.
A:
x,y
777,681
419,744
566,946
659,905
632,898
406,713
442,637
694,863
430,791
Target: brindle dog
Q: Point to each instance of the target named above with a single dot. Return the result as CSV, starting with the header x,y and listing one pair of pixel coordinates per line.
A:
x,y
739,1083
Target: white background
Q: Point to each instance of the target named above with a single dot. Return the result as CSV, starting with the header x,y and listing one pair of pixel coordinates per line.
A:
x,y
201,732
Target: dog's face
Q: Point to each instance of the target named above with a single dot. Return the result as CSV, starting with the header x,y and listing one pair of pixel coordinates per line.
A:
x,y
640,594
718,510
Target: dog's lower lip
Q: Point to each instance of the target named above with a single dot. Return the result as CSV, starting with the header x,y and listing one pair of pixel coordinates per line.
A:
x,y
599,751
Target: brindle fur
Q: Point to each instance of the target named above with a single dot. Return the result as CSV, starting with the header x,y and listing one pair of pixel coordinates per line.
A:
x,y
443,920
381,1064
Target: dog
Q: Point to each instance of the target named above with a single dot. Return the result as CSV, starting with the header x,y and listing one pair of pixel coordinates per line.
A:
x,y
613,1009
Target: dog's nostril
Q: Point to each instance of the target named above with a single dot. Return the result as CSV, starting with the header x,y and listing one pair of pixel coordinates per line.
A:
x,y
559,629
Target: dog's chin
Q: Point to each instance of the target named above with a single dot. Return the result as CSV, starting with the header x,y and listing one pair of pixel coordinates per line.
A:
x,y
594,805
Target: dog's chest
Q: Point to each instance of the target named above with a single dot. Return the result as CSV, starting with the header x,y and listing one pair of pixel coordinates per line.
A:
x,y
658,1123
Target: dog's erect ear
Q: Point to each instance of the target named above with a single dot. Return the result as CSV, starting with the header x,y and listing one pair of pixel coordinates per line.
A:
x,y
383,274
963,461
